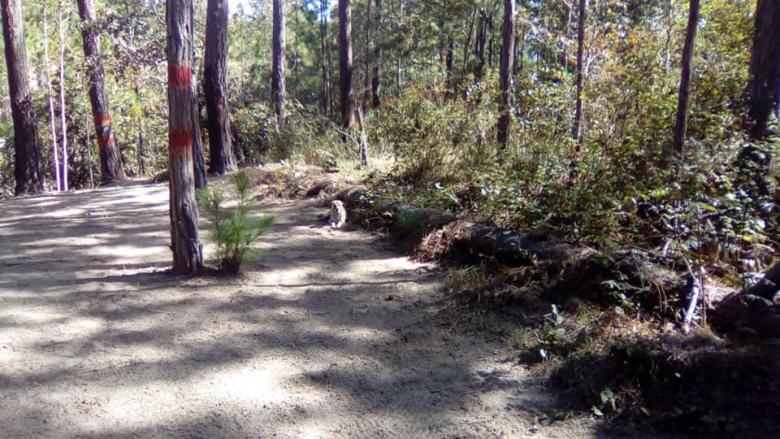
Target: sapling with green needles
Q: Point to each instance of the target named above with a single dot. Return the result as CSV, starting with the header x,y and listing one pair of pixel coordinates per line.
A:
x,y
234,231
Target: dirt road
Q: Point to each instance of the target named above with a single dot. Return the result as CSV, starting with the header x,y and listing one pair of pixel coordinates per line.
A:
x,y
327,334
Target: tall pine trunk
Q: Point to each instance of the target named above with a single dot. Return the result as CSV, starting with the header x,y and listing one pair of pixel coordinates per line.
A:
x,y
367,59
215,86
479,46
182,134
345,65
681,125
55,155
27,149
507,68
764,87
63,17
449,68
110,160
376,80
327,82
278,86
350,114
576,131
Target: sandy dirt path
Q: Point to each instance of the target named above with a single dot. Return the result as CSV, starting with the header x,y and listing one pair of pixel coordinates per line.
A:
x,y
327,334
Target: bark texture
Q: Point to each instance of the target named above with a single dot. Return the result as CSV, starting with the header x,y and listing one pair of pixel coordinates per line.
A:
x,y
764,88
507,68
327,81
681,125
55,160
216,89
376,79
278,86
182,105
110,159
345,65
479,46
27,167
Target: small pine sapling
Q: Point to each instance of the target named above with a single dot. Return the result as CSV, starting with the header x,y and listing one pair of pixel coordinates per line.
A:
x,y
233,231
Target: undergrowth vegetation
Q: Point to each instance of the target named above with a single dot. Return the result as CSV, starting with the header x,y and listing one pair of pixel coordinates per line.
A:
x,y
709,215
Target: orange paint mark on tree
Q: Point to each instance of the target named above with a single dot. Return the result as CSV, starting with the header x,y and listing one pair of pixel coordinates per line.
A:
x,y
103,120
180,139
179,76
106,141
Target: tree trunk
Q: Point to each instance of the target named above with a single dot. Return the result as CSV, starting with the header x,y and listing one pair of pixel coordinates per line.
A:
x,y
327,82
141,149
449,68
764,87
681,125
278,86
490,42
63,17
345,65
367,60
27,150
479,46
576,131
376,80
216,89
506,70
185,243
110,160
467,43
88,159
55,155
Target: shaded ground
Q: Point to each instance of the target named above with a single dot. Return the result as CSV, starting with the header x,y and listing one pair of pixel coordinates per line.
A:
x,y
328,334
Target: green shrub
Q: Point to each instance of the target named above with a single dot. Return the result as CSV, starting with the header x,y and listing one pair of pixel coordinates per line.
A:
x,y
234,232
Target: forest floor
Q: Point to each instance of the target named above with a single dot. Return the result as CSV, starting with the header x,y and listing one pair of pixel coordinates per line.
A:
x,y
326,334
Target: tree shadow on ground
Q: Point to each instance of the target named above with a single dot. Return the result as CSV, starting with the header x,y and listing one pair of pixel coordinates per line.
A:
x,y
327,333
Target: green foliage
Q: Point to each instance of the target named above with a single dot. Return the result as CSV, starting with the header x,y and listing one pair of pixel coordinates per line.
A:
x,y
233,232
310,138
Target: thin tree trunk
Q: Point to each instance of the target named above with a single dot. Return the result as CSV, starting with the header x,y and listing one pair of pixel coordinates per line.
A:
x,y
449,68
376,81
467,44
367,59
185,243
110,160
55,155
681,125
479,47
88,149
350,114
507,68
278,86
576,131
63,110
141,140
764,86
345,65
327,82
490,42
216,88
27,150
199,163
